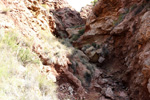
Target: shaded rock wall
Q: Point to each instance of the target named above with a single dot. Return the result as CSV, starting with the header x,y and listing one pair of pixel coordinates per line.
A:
x,y
122,28
36,22
118,31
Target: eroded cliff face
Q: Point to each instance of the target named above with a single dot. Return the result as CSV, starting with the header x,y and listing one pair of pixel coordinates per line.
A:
x,y
28,29
65,16
109,58
85,11
121,29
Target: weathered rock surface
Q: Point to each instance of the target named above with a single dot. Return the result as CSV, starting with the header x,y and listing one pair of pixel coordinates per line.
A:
x,y
122,29
85,11
115,38
65,16
61,63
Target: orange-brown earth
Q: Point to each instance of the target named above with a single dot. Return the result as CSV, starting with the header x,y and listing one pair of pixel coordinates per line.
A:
x,y
121,28
109,58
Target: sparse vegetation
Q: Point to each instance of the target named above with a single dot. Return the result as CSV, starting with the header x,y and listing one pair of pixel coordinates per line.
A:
x,y
91,68
20,73
75,37
133,7
85,47
25,55
105,51
121,17
94,2
45,6
4,9
81,32
73,66
88,77
95,45
60,48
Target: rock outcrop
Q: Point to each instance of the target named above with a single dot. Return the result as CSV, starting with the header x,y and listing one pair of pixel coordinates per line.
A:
x,y
65,16
109,58
85,11
36,22
121,29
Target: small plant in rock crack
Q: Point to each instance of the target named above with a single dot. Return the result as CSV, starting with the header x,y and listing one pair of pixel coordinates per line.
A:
x,y
88,77
105,51
94,2
86,47
133,7
90,67
121,17
95,45
83,60
65,42
74,66
81,32
75,37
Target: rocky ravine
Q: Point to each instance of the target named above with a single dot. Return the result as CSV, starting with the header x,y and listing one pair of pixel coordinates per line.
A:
x,y
28,30
121,29
107,60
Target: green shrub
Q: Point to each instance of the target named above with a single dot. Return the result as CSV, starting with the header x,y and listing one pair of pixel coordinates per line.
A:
x,y
133,7
95,45
19,81
75,37
81,32
60,48
10,38
27,56
94,2
105,51
91,68
24,54
88,77
121,17
73,66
